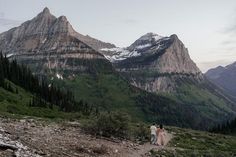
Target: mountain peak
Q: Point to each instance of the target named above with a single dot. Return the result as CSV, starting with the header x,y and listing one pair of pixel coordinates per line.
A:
x,y
150,36
46,10
39,28
46,23
145,41
45,14
174,36
62,18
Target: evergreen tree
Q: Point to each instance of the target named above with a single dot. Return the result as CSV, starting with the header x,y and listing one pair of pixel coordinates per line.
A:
x,y
229,127
45,95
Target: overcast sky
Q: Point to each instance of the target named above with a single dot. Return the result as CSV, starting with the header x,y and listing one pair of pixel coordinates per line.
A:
x,y
206,27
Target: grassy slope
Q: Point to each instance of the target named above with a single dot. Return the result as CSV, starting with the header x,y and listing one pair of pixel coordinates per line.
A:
x,y
202,100
196,100
107,91
99,85
18,104
188,142
188,108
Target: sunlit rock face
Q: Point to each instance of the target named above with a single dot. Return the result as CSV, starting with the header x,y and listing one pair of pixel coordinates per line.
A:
x,y
159,65
48,43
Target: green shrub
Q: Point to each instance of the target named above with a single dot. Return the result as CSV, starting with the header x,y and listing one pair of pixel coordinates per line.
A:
x,y
115,124
141,133
12,109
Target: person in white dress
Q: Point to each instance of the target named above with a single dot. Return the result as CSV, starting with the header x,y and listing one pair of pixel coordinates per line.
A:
x,y
153,130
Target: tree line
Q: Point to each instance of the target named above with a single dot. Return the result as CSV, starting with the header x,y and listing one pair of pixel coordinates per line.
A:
x,y
228,127
44,94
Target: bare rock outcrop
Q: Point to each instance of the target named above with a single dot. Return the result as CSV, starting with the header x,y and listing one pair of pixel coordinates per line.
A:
x,y
47,43
160,64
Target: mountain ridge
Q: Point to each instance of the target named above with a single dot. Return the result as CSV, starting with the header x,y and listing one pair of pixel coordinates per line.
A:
x,y
46,42
157,64
224,77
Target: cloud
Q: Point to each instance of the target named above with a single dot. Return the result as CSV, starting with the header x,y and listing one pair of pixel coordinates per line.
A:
x,y
5,22
231,29
228,42
1,14
9,22
228,45
130,21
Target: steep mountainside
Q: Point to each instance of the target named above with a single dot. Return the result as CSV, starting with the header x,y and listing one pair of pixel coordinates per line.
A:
x,y
162,65
224,77
214,73
94,43
159,63
48,44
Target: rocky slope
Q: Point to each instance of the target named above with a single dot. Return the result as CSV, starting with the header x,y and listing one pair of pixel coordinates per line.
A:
x,y
48,44
31,137
155,63
94,43
224,77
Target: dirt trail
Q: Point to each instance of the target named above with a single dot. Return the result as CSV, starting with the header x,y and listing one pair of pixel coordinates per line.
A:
x,y
144,149
35,138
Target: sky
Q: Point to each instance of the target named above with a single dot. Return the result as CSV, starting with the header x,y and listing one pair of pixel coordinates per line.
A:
x,y
206,27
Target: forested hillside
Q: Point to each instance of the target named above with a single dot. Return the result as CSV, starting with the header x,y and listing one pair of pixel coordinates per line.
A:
x,y
39,93
228,127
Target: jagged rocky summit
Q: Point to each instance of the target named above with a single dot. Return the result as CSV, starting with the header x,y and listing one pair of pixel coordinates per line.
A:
x,y
154,63
49,44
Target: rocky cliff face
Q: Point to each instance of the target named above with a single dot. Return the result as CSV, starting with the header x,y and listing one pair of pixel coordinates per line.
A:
x,y
94,43
159,63
166,55
48,43
224,77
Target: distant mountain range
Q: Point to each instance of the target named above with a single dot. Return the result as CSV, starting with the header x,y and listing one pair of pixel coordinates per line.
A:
x,y
224,77
153,79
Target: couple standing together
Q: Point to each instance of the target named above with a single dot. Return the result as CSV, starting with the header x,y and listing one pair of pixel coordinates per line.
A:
x,y
157,135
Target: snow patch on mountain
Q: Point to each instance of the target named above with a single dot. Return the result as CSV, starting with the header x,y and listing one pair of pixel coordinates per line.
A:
x,y
139,47
157,37
115,49
119,54
143,46
10,55
150,36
